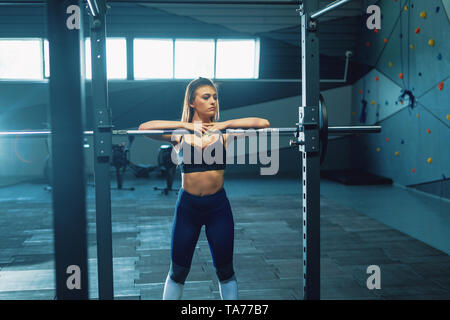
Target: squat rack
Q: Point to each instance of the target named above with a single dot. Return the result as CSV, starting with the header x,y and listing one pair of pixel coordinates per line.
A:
x,y
70,247
309,113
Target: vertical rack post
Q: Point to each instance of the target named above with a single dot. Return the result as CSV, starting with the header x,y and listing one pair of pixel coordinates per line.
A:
x,y
309,122
66,110
102,149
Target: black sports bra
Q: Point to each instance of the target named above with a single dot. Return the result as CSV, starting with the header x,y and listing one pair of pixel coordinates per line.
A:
x,y
196,153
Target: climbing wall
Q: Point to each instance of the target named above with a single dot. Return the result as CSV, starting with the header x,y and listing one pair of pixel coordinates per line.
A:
x,y
406,92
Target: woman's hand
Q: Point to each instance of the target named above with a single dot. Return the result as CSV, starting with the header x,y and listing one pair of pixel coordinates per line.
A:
x,y
213,127
199,128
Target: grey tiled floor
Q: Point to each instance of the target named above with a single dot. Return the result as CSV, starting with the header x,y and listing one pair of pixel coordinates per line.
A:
x,y
267,244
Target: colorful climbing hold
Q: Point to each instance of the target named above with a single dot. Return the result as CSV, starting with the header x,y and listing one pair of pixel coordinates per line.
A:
x,y
386,40
423,14
377,78
439,56
401,101
378,149
387,139
417,30
411,46
448,117
360,91
405,8
420,74
390,64
428,130
396,153
372,102
367,44
441,85
429,160
437,9
353,113
375,30
417,115
431,43
413,170
400,75
402,142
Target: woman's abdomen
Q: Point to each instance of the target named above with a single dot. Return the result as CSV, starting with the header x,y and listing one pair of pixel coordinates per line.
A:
x,y
203,183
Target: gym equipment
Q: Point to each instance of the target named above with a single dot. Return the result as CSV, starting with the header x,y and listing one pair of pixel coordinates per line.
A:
x,y
66,105
165,168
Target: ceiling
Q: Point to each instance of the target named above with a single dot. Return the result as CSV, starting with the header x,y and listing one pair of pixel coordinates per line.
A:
x,y
250,18
278,20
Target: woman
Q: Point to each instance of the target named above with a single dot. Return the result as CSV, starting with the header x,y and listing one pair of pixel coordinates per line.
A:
x,y
202,199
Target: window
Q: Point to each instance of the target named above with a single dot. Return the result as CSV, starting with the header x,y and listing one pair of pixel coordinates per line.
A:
x,y
153,58
28,59
46,59
237,59
116,58
21,59
194,58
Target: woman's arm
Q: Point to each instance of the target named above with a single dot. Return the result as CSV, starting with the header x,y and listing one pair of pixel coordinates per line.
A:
x,y
241,123
247,123
165,124
161,125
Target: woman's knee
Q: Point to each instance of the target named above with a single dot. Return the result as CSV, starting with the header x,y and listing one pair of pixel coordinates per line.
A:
x,y
225,273
178,273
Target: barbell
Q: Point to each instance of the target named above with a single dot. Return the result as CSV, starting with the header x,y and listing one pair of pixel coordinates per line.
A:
x,y
322,124
335,130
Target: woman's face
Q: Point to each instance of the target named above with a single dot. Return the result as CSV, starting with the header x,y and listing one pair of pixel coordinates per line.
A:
x,y
205,101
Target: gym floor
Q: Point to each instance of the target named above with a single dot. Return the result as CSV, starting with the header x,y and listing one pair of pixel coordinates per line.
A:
x,y
358,229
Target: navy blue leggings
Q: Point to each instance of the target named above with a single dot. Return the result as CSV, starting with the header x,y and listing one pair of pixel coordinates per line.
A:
x,y
191,213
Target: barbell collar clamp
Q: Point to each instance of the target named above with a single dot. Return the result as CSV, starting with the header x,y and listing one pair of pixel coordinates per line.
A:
x,y
310,124
294,143
105,128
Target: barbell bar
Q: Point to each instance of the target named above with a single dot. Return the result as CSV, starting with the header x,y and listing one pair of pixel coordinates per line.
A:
x,y
282,131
